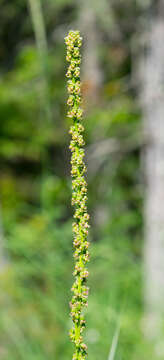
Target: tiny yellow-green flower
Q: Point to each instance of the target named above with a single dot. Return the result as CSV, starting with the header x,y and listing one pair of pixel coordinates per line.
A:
x,y
79,198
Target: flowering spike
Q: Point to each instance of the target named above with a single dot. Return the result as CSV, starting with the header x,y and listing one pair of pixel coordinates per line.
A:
x,y
79,197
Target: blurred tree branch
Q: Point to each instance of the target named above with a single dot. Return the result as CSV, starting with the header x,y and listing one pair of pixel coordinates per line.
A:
x,y
152,100
41,42
99,152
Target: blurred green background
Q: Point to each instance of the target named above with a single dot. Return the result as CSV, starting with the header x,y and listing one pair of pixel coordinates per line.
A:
x,y
36,260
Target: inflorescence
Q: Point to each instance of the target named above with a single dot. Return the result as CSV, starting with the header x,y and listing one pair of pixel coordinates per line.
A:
x,y
79,195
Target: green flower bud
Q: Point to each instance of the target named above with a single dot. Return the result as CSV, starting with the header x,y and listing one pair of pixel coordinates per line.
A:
x,y
79,195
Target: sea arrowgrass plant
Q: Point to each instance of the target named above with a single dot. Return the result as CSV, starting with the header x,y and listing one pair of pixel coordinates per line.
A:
x,y
79,195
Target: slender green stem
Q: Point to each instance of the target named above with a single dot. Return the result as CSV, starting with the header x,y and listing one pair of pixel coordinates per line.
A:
x,y
46,122
42,46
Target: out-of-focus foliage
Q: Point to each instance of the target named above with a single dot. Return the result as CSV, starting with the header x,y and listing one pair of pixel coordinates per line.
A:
x,y
36,190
